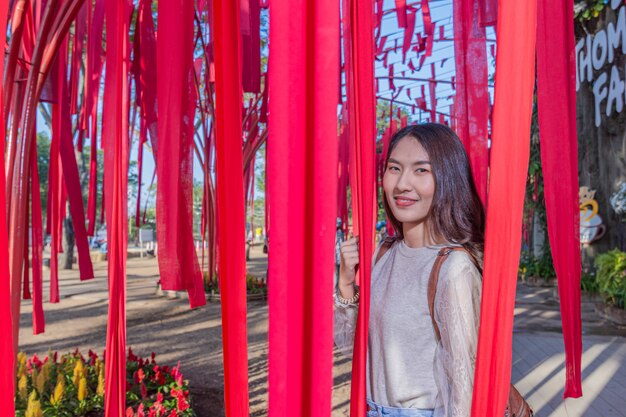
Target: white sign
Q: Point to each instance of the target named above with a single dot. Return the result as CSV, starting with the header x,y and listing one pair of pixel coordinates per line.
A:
x,y
146,235
592,53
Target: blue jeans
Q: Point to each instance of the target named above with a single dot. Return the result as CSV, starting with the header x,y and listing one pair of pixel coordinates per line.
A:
x,y
375,410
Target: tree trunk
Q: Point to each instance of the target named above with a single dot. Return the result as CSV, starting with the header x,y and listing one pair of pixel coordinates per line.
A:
x,y
69,238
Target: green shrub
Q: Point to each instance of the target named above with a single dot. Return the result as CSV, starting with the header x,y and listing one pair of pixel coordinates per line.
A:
x,y
539,267
611,277
588,282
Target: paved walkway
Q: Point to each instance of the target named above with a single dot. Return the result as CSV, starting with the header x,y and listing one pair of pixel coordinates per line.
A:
x,y
174,332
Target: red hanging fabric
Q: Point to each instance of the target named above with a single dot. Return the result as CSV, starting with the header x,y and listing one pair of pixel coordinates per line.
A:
x,y
362,125
92,92
115,143
472,97
342,186
304,45
39,322
80,26
148,63
26,275
556,101
178,261
408,32
488,12
251,47
55,201
142,139
515,78
70,175
7,353
432,85
230,205
401,12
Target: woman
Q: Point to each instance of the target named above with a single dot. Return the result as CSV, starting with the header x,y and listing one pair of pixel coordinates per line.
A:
x,y
431,200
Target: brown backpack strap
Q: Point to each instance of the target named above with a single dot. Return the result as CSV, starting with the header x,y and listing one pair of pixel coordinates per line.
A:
x,y
434,279
384,247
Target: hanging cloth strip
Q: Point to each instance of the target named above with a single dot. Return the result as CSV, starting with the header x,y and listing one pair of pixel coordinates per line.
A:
x,y
471,102
7,354
362,129
303,152
515,78
39,322
116,153
178,261
230,205
556,100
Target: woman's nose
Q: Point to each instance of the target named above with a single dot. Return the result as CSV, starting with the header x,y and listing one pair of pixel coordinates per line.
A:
x,y
403,183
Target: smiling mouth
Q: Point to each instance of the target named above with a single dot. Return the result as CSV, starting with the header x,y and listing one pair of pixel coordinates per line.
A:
x,y
404,201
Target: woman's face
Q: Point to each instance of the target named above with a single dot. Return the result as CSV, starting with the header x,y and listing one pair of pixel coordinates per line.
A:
x,y
408,182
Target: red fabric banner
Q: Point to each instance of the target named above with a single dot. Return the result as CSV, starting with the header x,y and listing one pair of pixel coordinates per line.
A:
x,y
7,353
178,261
148,77
362,128
515,79
303,149
93,71
70,174
488,12
251,46
556,101
39,322
432,86
408,32
115,143
230,205
55,202
401,13
472,97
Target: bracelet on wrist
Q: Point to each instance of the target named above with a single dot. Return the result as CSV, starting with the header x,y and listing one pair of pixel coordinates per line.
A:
x,y
347,301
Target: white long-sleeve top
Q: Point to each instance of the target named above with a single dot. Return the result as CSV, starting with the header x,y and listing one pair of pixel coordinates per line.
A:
x,y
406,366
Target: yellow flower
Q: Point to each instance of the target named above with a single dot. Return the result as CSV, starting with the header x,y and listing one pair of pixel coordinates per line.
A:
x,y
40,382
22,387
100,388
59,390
21,358
79,372
46,370
33,409
33,375
82,389
21,371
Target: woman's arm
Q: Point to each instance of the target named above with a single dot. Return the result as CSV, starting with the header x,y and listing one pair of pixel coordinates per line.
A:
x,y
457,313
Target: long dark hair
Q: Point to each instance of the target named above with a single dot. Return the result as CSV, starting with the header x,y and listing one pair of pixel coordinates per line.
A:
x,y
456,213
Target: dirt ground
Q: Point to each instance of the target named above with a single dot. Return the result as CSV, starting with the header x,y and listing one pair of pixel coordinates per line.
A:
x,y
166,326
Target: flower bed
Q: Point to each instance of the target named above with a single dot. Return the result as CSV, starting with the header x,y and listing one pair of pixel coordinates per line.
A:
x,y
73,385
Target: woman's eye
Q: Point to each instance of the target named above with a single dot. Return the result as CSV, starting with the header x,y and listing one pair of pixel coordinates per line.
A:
x,y
421,170
392,168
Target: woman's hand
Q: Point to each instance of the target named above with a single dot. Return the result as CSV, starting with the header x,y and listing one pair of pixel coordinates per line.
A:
x,y
348,265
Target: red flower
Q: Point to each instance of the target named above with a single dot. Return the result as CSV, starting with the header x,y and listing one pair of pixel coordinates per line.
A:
x,y
129,412
159,378
140,411
182,404
173,414
144,391
141,375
